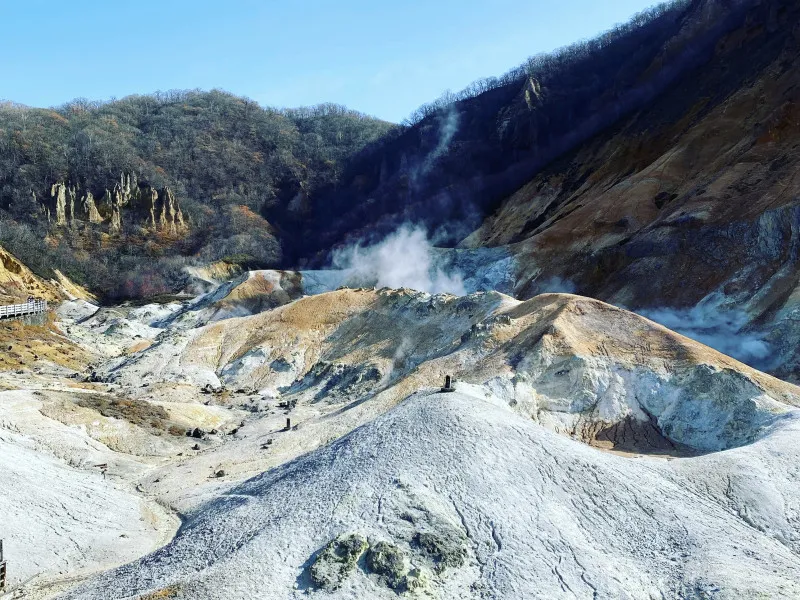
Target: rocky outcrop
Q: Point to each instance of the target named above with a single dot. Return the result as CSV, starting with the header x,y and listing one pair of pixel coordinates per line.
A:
x,y
18,282
149,198
58,192
170,217
155,210
90,209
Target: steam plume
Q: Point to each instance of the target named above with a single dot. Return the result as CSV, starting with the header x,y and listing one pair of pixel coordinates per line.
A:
x,y
404,258
448,127
721,330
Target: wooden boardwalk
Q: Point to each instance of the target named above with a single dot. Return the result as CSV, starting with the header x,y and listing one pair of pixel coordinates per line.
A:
x,y
32,307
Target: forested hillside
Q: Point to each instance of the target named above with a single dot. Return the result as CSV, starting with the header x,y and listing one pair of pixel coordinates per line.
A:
x,y
125,193
222,161
467,152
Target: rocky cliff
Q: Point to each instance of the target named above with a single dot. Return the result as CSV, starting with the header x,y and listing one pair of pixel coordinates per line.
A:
x,y
148,208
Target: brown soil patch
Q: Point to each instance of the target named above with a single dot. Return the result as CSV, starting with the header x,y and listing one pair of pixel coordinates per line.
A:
x,y
136,412
23,345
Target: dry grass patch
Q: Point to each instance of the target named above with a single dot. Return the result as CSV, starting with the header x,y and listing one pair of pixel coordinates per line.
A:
x,y
23,345
137,412
168,592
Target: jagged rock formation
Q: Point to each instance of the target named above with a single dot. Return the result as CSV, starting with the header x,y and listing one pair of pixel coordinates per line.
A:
x,y
170,217
59,194
157,211
90,209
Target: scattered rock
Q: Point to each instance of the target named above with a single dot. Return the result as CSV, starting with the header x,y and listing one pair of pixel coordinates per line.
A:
x,y
220,473
337,560
445,549
389,562
198,433
416,579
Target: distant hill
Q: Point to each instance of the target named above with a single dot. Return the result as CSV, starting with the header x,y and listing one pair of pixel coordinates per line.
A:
x,y
635,153
114,186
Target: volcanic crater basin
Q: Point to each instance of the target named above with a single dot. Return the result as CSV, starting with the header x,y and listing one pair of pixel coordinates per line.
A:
x,y
503,489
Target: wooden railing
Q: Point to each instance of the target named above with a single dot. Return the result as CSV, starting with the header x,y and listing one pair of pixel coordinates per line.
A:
x,y
32,307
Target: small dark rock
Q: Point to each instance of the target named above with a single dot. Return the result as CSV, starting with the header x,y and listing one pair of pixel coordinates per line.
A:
x,y
337,560
389,562
444,549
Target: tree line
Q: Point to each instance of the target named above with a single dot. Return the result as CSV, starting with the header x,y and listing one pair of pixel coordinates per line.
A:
x,y
224,156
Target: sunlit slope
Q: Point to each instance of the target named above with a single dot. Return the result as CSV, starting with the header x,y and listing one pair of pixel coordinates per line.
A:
x,y
335,361
477,501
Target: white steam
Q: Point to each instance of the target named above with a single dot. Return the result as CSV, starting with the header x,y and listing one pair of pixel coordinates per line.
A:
x,y
556,285
404,258
721,330
447,131
448,127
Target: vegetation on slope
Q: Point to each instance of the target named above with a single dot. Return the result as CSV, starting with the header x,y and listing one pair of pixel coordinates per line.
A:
x,y
282,187
466,153
227,159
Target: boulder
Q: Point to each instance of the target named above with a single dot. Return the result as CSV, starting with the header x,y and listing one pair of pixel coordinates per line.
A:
x,y
337,561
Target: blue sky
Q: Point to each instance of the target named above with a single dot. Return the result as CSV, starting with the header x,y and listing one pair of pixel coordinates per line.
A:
x,y
382,58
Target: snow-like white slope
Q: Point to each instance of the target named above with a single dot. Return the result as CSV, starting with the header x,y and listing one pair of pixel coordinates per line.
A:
x,y
515,510
58,520
58,515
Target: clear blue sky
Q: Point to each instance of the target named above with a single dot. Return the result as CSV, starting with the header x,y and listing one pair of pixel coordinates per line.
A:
x,y
380,57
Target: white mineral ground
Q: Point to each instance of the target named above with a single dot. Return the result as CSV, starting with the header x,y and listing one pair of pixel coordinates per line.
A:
x,y
587,452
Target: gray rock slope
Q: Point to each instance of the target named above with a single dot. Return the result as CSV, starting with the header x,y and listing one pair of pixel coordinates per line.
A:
x,y
457,496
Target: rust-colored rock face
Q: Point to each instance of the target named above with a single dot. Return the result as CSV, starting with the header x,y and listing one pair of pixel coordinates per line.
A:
x,y
695,192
